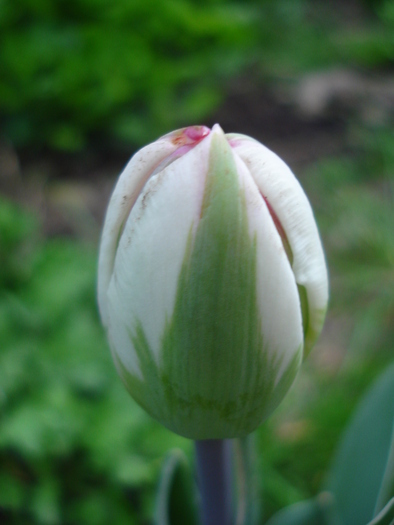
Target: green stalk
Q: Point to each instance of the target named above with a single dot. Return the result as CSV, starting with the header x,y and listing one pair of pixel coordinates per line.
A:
x,y
215,481
247,483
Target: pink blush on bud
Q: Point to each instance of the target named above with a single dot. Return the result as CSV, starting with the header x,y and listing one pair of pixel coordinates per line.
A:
x,y
190,136
196,133
186,139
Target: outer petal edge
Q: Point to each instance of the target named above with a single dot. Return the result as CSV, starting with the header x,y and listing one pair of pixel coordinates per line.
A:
x,y
129,185
280,187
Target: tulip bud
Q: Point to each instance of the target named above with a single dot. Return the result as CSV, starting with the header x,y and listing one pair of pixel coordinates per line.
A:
x,y
212,283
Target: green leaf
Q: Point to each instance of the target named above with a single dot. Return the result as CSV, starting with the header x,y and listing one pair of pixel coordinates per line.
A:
x,y
361,477
386,516
176,497
310,512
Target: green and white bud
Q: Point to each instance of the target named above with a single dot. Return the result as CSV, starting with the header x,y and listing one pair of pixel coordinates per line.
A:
x,y
212,283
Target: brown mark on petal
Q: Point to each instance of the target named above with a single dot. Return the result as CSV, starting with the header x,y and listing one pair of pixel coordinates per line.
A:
x,y
143,202
148,191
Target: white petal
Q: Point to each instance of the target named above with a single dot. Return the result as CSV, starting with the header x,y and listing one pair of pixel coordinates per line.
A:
x,y
127,189
277,292
278,184
151,251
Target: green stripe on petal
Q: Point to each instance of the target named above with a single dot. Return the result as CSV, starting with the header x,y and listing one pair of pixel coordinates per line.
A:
x,y
214,337
311,330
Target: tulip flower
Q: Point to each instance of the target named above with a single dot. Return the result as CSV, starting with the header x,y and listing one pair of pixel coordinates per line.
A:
x,y
212,282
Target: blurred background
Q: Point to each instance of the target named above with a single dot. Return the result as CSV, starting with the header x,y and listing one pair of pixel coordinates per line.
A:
x,y
83,84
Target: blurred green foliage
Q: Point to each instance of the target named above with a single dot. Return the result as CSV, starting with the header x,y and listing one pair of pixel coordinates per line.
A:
x,y
357,214
127,71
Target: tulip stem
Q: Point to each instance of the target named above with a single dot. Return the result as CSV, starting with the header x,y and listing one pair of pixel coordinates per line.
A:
x,y
214,474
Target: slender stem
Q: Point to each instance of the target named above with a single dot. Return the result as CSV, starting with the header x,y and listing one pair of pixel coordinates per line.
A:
x,y
215,481
247,481
241,467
